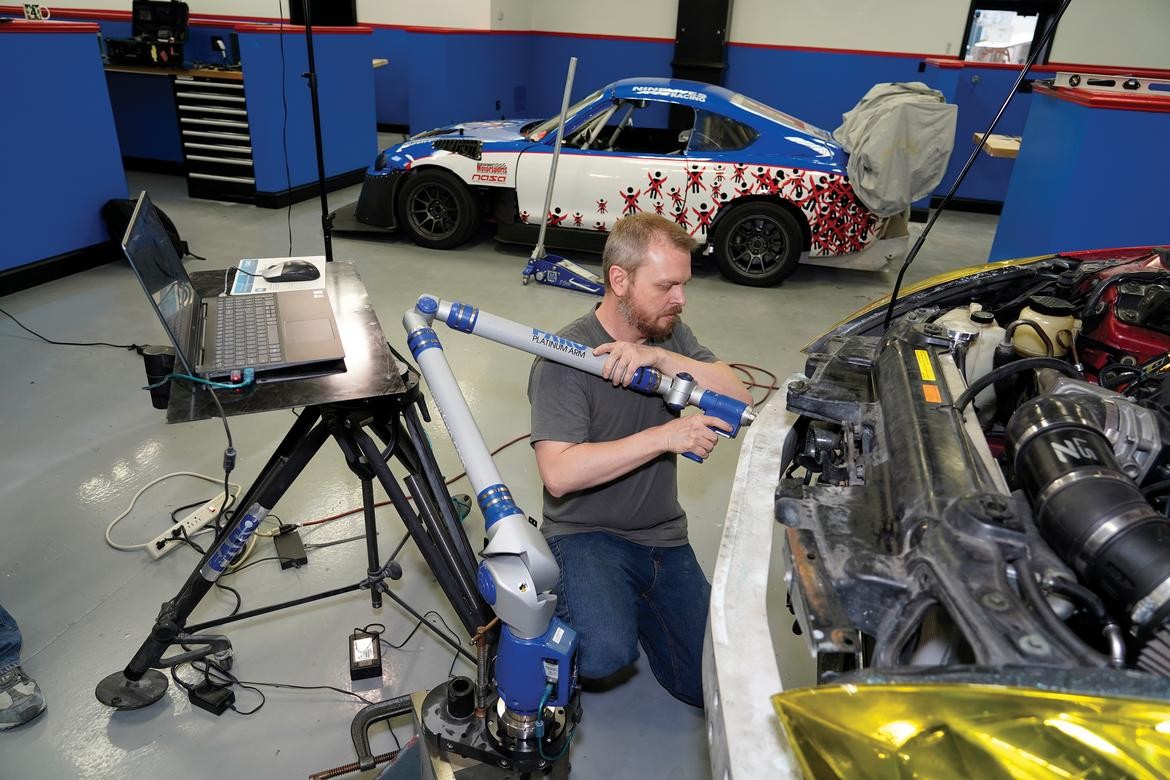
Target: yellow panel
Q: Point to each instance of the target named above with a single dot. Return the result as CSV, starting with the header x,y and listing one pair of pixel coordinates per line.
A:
x,y
973,731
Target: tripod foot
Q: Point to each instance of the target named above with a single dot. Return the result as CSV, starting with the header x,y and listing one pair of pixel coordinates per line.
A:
x,y
122,693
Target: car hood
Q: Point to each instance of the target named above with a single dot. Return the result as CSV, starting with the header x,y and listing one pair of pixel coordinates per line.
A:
x,y
492,130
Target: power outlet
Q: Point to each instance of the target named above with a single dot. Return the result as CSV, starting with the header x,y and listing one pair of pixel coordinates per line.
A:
x,y
173,537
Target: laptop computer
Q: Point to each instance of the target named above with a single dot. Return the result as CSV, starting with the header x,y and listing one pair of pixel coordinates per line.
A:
x,y
283,335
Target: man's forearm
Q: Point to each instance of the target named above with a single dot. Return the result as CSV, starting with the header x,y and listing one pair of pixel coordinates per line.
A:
x,y
589,464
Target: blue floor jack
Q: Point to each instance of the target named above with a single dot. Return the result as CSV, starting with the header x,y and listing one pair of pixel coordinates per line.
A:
x,y
550,269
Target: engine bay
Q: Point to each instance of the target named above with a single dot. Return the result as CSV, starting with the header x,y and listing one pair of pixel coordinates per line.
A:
x,y
981,490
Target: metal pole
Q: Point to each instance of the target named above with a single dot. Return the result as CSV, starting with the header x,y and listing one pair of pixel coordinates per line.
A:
x,y
538,252
326,223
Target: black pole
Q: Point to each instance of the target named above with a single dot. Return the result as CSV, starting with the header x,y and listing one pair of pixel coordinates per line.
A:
x,y
326,222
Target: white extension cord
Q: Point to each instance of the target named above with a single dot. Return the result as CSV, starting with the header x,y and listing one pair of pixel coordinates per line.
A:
x,y
145,545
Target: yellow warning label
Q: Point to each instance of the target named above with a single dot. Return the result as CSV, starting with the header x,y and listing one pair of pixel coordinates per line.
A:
x,y
924,366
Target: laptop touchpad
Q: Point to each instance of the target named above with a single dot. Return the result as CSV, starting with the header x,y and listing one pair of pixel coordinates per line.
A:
x,y
300,331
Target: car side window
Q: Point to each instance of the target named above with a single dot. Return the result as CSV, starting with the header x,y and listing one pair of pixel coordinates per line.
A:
x,y
717,133
641,126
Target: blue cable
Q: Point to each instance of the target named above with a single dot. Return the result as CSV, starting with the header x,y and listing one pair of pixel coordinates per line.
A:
x,y
249,378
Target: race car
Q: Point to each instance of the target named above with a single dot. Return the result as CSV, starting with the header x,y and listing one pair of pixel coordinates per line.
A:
x,y
969,499
760,190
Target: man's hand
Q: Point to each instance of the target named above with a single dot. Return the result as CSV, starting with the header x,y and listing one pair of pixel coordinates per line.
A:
x,y
626,357
693,434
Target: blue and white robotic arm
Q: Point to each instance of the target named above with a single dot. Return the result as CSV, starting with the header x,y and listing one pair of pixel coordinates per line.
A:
x,y
536,661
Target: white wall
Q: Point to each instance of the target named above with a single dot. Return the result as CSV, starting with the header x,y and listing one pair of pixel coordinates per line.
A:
x,y
918,26
463,14
644,18
511,14
1125,33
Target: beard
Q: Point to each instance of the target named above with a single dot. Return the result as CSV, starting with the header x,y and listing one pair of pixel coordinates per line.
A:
x,y
654,326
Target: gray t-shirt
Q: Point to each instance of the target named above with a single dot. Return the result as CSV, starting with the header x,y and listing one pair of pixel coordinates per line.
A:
x,y
572,406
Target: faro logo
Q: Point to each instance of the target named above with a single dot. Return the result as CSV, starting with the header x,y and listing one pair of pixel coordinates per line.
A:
x,y
1073,450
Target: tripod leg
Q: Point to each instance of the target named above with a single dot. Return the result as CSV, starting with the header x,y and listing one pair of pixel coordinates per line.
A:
x,y
456,583
297,448
375,564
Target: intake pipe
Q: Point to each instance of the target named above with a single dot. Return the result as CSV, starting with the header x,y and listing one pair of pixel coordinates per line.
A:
x,y
1088,510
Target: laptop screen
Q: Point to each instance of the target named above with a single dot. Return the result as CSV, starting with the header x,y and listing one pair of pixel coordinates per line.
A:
x,y
153,257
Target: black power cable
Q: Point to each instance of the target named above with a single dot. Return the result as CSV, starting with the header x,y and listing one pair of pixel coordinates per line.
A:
x,y
130,347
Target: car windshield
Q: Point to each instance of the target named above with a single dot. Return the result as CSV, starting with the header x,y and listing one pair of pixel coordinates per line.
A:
x,y
549,125
758,108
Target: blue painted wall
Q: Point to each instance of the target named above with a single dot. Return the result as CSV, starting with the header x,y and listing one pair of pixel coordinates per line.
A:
x,y
145,116
1078,183
816,86
60,145
345,86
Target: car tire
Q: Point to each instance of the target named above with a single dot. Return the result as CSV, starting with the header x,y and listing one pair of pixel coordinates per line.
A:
x,y
758,244
436,210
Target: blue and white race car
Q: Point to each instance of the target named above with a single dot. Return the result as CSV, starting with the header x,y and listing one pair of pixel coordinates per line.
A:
x,y
760,190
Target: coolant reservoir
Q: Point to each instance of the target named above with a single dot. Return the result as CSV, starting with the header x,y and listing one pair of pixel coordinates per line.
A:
x,y
1055,317
980,353
980,358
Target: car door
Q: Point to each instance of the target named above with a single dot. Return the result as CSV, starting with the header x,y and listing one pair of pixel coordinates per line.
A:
x,y
622,161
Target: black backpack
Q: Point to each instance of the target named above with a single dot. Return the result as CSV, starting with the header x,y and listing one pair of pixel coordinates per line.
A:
x,y
116,214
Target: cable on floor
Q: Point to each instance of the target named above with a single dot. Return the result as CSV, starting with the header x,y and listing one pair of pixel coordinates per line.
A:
x,y
148,486
130,347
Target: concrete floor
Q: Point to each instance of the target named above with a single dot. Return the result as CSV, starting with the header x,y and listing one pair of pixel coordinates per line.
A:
x,y
80,438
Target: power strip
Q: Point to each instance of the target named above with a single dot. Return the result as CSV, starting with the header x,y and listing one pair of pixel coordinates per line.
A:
x,y
173,537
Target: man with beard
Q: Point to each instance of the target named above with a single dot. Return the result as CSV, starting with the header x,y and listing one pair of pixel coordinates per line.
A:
x,y
608,459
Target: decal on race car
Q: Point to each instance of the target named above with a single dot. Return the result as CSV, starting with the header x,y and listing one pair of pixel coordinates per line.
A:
x,y
671,92
490,172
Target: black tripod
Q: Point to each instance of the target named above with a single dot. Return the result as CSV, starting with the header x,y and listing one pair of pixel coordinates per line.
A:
x,y
433,523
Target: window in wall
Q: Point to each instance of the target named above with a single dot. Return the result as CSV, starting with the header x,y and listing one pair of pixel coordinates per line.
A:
x,y
1004,31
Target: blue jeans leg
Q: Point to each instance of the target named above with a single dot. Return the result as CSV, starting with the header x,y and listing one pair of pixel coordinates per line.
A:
x,y
9,641
596,595
617,594
672,620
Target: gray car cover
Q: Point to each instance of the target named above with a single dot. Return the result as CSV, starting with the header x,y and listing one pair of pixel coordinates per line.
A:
x,y
899,139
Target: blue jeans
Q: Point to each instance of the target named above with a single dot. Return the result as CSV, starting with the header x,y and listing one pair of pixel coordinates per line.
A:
x,y
9,641
617,594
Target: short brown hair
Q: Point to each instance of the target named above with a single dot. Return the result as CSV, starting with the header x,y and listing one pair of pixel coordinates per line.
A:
x,y
632,237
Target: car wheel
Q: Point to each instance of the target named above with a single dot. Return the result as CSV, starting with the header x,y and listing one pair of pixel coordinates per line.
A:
x,y
758,244
436,210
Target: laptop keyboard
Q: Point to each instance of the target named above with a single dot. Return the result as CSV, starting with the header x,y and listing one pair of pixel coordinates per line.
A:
x,y
246,331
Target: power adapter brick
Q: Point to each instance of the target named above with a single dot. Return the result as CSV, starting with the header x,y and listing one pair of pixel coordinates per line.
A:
x,y
213,698
290,549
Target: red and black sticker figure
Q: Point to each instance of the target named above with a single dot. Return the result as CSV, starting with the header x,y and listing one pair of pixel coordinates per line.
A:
x,y
695,178
676,197
738,175
555,218
719,175
523,217
716,188
630,196
654,191
680,217
601,206
724,198
704,214
743,188
763,179
599,226
659,207
577,217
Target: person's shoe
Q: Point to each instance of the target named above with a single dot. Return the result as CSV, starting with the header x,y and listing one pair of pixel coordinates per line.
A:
x,y
20,699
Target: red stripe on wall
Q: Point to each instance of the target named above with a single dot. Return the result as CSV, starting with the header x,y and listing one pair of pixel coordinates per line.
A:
x,y
828,50
298,29
1155,103
25,26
